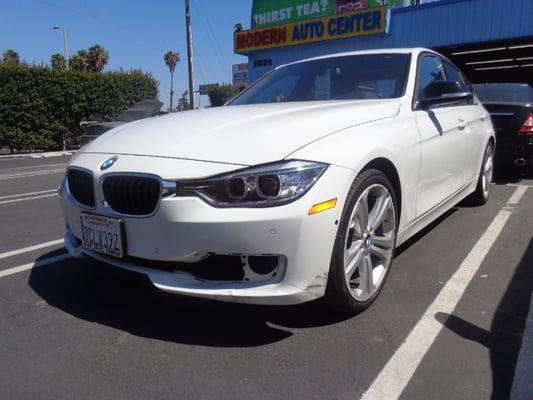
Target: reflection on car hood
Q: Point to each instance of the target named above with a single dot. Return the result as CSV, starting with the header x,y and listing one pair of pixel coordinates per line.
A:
x,y
244,135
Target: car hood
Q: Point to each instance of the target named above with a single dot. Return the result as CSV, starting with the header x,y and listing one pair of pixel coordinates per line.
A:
x,y
241,135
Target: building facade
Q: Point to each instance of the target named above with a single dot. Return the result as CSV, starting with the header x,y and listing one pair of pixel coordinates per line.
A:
x,y
490,40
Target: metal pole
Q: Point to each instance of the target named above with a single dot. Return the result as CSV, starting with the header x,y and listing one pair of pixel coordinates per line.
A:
x,y
189,53
65,46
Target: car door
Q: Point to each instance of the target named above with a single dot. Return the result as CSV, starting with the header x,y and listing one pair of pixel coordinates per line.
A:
x,y
442,152
473,121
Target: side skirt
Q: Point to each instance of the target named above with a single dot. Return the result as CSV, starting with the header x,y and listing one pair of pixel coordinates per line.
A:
x,y
431,215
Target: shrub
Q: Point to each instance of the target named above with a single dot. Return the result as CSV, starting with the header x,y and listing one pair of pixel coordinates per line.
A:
x,y
40,107
219,95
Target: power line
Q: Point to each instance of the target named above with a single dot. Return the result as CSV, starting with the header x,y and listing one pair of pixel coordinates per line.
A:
x,y
199,62
113,23
212,37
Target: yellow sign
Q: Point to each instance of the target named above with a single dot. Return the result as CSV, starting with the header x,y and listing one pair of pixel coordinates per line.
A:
x,y
369,21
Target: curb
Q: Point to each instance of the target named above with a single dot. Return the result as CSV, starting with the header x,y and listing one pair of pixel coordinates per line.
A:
x,y
39,155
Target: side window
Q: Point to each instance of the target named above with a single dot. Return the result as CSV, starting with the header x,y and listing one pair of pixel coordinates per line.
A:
x,y
452,74
430,71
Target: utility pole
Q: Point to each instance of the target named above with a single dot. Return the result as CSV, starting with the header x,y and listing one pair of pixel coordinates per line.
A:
x,y
62,28
189,53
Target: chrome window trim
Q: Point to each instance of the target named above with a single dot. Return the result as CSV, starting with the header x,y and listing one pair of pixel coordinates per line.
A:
x,y
166,189
71,198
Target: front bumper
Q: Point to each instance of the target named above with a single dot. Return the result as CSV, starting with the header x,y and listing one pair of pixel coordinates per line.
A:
x,y
188,229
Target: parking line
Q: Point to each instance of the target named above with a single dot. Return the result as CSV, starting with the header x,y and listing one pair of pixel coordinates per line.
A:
x,y
28,198
519,185
13,196
393,379
35,264
517,196
29,175
30,249
38,166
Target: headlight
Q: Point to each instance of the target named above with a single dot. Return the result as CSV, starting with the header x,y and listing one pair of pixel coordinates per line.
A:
x,y
263,186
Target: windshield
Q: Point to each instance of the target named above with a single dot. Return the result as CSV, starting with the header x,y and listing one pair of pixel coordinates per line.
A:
x,y
504,93
376,76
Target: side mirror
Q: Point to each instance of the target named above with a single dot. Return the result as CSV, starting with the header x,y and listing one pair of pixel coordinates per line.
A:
x,y
443,92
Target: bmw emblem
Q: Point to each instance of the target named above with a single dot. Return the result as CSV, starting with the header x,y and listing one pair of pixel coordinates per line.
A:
x,y
108,163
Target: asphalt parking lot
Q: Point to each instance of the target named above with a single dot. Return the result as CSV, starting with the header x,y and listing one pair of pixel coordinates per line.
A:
x,y
449,324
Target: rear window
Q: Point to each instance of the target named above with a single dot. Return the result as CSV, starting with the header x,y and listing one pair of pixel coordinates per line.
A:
x,y
504,93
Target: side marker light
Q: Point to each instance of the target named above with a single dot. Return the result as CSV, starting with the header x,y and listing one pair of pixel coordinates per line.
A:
x,y
324,206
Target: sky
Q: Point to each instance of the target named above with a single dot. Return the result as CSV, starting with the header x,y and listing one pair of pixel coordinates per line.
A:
x,y
136,33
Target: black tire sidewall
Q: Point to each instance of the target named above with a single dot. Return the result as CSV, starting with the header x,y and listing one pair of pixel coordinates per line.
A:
x,y
479,195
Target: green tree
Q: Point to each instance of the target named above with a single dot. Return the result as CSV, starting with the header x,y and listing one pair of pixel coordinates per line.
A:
x,y
219,95
171,60
10,56
183,102
57,61
97,57
79,61
40,108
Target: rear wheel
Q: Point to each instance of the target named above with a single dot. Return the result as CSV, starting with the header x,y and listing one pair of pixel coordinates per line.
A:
x,y
482,193
364,247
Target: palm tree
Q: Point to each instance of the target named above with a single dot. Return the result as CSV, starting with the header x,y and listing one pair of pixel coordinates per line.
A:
x,y
97,57
11,57
57,61
171,59
79,61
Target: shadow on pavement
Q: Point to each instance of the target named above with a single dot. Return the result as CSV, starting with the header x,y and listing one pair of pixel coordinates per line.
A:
x,y
404,246
505,337
128,302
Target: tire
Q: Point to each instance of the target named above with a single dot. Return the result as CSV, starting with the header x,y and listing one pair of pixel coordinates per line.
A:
x,y
363,248
486,174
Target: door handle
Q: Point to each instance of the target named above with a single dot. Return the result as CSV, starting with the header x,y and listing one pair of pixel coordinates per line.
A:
x,y
461,124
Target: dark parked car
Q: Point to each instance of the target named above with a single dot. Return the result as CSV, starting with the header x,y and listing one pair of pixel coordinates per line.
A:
x,y
511,109
141,110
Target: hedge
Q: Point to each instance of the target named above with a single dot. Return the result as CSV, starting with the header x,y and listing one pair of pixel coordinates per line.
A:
x,y
39,107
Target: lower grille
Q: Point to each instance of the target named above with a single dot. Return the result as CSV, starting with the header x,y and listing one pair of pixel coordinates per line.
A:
x,y
81,187
132,195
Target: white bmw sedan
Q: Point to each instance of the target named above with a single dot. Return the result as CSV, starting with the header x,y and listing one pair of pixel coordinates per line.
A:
x,y
300,187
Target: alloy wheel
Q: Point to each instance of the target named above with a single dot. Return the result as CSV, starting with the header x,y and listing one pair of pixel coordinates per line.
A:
x,y
488,170
370,242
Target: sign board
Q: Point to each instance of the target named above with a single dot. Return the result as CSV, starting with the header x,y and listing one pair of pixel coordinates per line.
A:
x,y
240,75
275,12
344,6
266,13
204,89
369,21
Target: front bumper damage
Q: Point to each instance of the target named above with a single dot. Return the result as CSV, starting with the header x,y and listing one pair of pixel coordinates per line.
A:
x,y
172,246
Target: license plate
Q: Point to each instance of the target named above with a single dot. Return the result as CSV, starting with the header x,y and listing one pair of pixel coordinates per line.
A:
x,y
102,234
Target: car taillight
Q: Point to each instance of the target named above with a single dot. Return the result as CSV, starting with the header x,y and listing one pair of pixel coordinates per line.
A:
x,y
527,128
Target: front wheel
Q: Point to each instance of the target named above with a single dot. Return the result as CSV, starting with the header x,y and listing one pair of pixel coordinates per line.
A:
x,y
364,246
